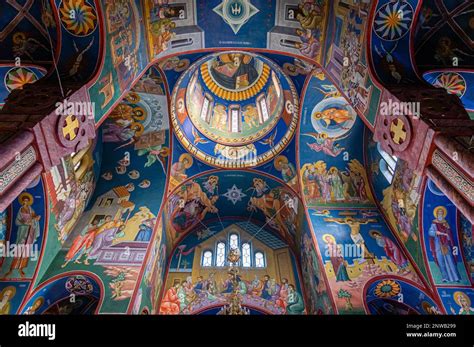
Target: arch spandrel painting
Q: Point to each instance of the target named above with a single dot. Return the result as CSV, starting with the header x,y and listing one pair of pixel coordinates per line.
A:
x,y
240,157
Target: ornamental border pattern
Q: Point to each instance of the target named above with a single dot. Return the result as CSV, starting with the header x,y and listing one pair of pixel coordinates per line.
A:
x,y
21,163
464,185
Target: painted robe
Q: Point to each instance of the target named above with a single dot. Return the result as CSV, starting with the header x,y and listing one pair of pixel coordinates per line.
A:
x,y
404,223
283,299
337,262
295,303
336,186
68,211
393,252
170,302
441,247
266,292
82,243
104,238
325,187
28,230
313,186
289,173
144,234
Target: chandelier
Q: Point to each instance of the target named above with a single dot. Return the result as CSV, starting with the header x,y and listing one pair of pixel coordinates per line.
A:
x,y
234,306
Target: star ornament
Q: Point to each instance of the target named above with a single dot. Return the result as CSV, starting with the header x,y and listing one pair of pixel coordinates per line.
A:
x,y
234,194
236,13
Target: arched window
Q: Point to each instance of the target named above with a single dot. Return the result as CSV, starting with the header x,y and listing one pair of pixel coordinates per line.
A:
x,y
207,259
387,164
259,259
234,241
220,254
246,258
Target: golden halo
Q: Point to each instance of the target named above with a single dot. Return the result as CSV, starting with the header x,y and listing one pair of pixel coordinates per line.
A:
x,y
317,115
133,97
331,237
188,157
426,306
165,151
457,296
372,233
9,288
28,196
139,113
442,208
19,37
40,300
140,128
279,161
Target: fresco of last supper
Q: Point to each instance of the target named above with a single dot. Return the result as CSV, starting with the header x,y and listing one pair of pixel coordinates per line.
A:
x,y
237,157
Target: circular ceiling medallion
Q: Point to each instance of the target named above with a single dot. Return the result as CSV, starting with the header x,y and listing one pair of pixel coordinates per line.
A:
x,y
17,77
393,20
234,109
453,82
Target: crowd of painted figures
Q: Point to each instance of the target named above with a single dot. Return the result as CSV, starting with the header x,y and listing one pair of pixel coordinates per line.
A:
x,y
185,297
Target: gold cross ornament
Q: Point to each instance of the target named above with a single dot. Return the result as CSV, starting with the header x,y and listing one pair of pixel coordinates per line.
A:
x,y
397,131
71,124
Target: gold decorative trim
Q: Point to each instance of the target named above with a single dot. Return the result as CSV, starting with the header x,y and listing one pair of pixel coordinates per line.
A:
x,y
17,168
234,164
235,95
459,181
240,140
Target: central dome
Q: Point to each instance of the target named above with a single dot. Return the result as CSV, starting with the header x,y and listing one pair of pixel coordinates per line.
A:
x,y
233,84
234,109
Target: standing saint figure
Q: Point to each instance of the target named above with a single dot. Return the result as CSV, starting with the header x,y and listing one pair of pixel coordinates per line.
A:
x,y
441,246
337,259
6,295
28,230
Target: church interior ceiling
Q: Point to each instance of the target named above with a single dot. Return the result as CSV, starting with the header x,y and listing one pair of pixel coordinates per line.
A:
x,y
250,126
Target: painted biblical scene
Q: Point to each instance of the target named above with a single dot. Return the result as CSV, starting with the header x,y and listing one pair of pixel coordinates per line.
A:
x,y
24,233
200,274
345,58
115,230
147,299
443,246
160,21
396,296
213,195
235,71
467,231
71,185
399,189
73,294
11,296
458,301
319,301
356,246
234,109
125,55
331,158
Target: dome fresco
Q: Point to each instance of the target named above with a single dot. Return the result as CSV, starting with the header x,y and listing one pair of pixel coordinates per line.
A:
x,y
234,109
237,157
